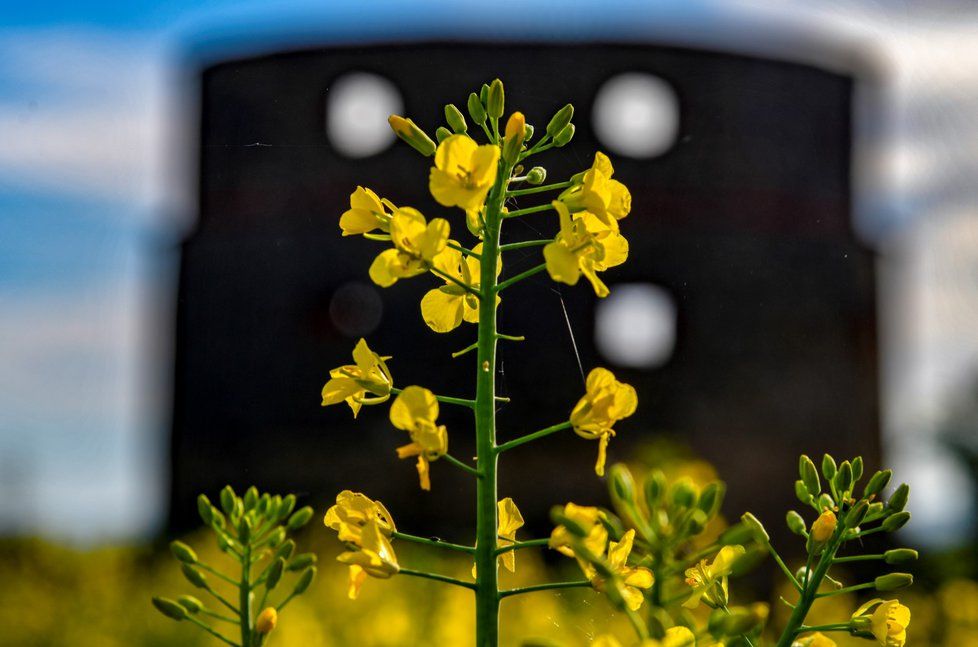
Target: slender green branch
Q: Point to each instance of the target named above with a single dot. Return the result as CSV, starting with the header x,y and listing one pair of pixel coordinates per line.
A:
x,y
784,568
464,250
857,558
520,545
839,626
206,627
534,436
640,629
528,210
246,598
448,277
459,464
539,147
437,578
526,243
539,189
519,277
462,402
214,571
218,616
871,531
489,137
220,598
847,589
473,346
510,337
432,542
544,587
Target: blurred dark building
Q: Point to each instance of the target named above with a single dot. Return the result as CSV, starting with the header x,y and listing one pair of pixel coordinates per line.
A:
x,y
746,222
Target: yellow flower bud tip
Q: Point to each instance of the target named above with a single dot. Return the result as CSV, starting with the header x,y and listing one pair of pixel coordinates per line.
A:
x,y
266,620
824,527
516,126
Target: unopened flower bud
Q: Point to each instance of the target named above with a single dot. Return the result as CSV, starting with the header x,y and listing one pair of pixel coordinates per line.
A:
x,y
802,493
251,498
304,581
825,501
796,523
204,509
757,528
227,500
560,120
621,484
528,133
442,133
695,523
301,561
857,514
896,521
843,479
288,505
683,493
194,576
655,486
274,573
263,503
809,475
183,552
536,175
191,604
857,469
276,537
899,555
285,550
711,498
266,620
893,581
476,110
169,608
876,483
300,518
829,468
496,99
898,501
564,136
414,136
513,141
454,118
737,534
824,527
244,530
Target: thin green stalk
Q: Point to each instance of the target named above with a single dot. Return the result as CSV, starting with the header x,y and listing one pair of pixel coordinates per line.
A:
x,y
539,189
438,578
464,250
462,402
474,345
245,598
534,436
499,335
218,616
784,567
215,572
858,558
432,542
520,545
448,277
544,587
220,598
809,592
526,243
487,586
536,148
206,627
519,277
459,464
839,626
847,589
528,210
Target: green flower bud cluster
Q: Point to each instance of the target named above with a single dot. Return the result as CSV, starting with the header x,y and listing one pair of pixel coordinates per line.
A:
x,y
253,530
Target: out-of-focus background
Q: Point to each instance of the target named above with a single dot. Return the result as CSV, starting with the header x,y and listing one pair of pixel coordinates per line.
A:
x,y
174,290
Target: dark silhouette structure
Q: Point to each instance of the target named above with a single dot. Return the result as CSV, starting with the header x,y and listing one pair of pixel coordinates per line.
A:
x,y
745,221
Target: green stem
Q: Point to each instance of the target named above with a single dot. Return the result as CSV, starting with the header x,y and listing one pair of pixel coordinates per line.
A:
x,y
245,598
217,573
487,585
499,335
465,350
438,578
206,627
544,587
220,598
526,243
527,211
218,616
810,591
539,189
784,568
534,436
462,402
432,542
536,148
451,279
519,277
520,545
839,626
464,250
459,464
858,558
847,589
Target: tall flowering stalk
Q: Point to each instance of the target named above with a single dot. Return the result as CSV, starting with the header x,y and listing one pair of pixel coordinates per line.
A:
x,y
479,179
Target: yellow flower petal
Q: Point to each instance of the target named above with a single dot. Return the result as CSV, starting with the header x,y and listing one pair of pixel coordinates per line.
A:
x,y
442,309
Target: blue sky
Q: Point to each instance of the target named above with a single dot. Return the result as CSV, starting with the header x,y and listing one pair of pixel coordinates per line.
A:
x,y
90,118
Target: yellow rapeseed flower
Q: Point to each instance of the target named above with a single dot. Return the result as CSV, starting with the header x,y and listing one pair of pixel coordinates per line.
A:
x,y
595,540
416,244
415,411
605,402
463,172
352,382
367,212
584,245
674,637
632,579
817,639
373,557
510,520
709,580
352,512
824,527
266,620
888,622
446,307
596,192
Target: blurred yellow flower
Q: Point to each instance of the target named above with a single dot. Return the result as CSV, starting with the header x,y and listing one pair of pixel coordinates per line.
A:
x,y
709,581
375,557
367,212
266,620
605,402
674,637
352,382
605,640
824,526
816,639
584,245
415,411
416,244
596,192
446,307
633,579
352,512
589,521
510,520
463,172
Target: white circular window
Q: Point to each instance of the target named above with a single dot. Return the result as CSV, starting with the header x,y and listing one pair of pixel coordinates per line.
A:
x,y
635,325
636,114
357,107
